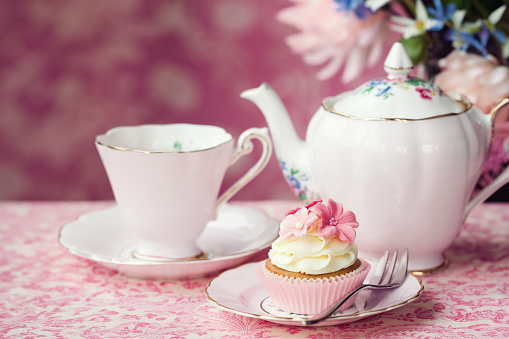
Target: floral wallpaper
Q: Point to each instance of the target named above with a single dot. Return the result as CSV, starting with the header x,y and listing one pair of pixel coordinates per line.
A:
x,y
70,70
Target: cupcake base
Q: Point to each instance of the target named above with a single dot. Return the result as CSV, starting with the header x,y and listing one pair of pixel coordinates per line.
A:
x,y
310,295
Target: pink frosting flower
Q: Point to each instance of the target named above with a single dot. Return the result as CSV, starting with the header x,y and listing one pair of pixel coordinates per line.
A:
x,y
335,221
307,206
297,224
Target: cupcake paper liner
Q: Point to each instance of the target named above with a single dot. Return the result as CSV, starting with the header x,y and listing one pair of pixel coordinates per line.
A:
x,y
310,296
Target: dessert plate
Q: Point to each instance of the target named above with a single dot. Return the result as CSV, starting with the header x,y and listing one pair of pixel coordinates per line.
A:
x,y
240,291
237,233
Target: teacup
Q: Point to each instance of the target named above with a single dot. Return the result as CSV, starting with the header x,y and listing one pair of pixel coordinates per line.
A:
x,y
166,180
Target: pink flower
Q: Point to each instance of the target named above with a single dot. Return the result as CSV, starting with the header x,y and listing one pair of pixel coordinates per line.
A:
x,y
481,80
298,224
313,203
335,37
484,82
335,221
307,206
424,92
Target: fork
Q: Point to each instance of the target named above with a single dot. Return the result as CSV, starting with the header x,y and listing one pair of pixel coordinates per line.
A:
x,y
392,277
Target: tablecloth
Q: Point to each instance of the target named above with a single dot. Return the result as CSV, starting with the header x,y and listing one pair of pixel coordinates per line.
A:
x,y
47,292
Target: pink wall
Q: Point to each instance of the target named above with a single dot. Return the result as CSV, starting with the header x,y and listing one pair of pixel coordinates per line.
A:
x,y
70,70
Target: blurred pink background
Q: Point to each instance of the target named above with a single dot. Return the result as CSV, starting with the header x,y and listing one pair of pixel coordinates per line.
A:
x,y
70,70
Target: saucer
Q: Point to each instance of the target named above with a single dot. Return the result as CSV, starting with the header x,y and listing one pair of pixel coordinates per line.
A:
x,y
240,291
237,233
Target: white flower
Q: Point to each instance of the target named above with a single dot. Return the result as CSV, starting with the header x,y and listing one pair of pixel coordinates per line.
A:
x,y
467,27
421,24
374,5
495,17
462,34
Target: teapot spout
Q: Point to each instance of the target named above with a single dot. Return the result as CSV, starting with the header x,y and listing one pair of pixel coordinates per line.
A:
x,y
289,148
284,136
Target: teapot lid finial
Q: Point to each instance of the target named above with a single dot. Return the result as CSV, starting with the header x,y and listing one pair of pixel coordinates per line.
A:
x,y
398,64
397,96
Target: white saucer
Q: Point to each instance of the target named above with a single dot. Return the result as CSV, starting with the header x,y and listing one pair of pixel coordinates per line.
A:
x,y
240,291
237,233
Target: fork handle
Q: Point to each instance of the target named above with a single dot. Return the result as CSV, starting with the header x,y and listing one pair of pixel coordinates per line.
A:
x,y
324,314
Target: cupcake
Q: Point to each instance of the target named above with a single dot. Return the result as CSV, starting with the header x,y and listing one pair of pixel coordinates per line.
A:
x,y
314,260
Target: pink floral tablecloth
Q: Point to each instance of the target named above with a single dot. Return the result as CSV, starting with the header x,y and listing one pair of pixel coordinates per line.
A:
x,y
47,292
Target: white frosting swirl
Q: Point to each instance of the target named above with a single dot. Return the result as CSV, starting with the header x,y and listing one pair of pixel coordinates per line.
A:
x,y
312,254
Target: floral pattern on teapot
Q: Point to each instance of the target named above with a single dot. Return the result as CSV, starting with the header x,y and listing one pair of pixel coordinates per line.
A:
x,y
384,88
296,179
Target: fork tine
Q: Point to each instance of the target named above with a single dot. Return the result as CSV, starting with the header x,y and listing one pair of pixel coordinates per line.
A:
x,y
402,269
390,269
379,269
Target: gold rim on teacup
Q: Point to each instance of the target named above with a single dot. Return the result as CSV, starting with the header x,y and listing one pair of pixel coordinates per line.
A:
x,y
129,149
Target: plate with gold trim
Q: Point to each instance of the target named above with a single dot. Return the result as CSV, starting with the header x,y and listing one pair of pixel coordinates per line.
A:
x,y
237,234
240,291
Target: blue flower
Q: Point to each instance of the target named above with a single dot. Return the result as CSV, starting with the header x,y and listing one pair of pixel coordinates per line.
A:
x,y
356,6
484,36
383,91
462,34
440,15
499,35
293,181
463,40
488,27
375,82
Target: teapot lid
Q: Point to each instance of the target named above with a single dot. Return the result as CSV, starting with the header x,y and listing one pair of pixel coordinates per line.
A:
x,y
397,96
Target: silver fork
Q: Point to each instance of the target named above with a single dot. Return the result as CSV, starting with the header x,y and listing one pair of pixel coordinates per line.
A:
x,y
392,277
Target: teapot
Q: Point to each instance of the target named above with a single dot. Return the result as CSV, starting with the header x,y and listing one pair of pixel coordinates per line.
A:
x,y
398,151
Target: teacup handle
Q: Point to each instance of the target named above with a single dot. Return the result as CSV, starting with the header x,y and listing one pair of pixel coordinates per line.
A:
x,y
244,147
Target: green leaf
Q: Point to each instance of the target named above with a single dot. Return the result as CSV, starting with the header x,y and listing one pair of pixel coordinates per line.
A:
x,y
416,47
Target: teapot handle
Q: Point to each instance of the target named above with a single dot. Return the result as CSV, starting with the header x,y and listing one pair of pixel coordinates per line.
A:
x,y
502,178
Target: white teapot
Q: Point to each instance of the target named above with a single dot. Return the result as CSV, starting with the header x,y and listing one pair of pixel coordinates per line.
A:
x,y
398,151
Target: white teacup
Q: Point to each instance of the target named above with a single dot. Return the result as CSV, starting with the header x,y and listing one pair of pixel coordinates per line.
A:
x,y
166,180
